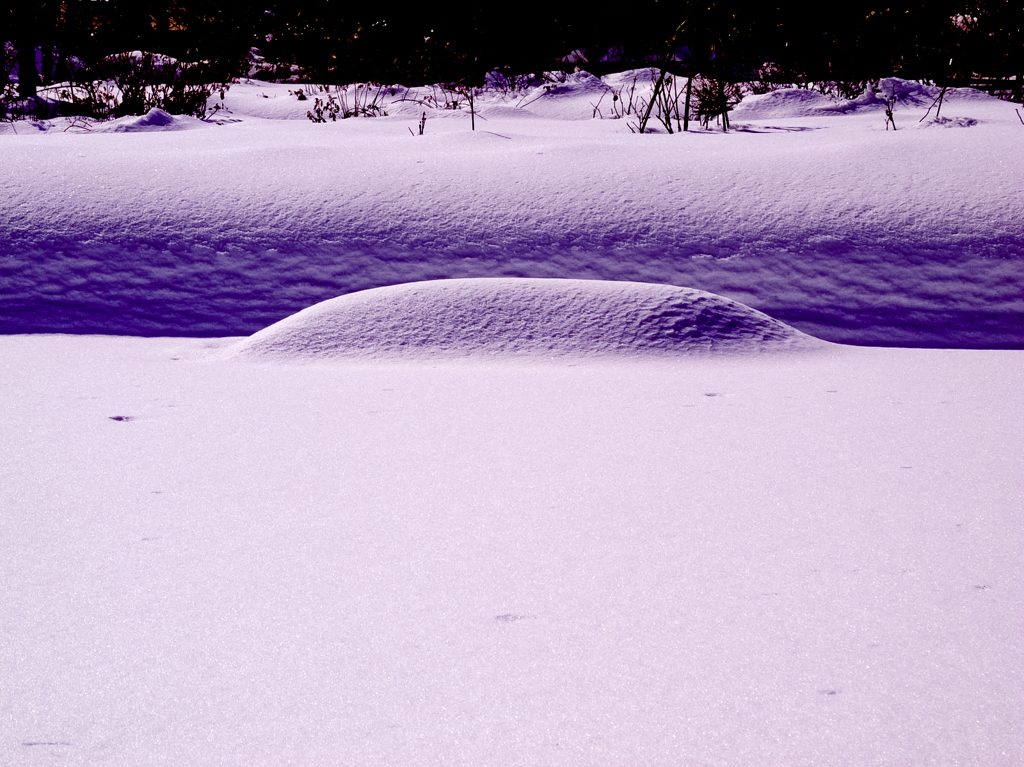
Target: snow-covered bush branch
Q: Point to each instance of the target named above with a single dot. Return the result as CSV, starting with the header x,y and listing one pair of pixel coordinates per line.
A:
x,y
355,100
119,85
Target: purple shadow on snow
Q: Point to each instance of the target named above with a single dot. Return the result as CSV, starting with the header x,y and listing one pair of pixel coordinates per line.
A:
x,y
867,290
120,312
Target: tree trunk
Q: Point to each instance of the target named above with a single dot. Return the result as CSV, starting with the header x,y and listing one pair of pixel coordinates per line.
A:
x,y
49,66
68,37
686,105
28,75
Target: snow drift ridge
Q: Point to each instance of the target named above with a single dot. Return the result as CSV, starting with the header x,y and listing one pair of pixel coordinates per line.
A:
x,y
522,317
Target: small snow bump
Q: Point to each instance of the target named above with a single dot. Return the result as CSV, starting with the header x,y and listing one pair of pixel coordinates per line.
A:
x,y
512,617
155,119
31,743
948,122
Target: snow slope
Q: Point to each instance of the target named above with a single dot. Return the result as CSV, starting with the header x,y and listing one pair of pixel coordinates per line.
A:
x,y
828,222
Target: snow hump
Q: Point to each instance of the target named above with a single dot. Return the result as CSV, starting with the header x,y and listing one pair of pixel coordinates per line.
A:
x,y
155,119
522,317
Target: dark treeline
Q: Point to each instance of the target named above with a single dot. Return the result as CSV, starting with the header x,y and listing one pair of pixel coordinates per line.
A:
x,y
335,41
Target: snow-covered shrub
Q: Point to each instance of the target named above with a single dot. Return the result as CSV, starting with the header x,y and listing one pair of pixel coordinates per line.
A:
x,y
662,103
258,68
623,100
672,99
321,107
843,89
667,102
135,82
355,100
714,99
764,79
440,96
8,90
120,85
506,81
649,93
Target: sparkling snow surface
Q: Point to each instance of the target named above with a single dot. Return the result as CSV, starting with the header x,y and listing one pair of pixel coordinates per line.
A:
x,y
781,559
513,521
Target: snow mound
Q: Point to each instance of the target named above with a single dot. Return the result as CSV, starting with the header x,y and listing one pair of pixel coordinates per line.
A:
x,y
522,317
800,102
155,119
571,97
788,102
509,113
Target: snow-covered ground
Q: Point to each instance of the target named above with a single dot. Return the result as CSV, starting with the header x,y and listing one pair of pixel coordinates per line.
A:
x,y
598,521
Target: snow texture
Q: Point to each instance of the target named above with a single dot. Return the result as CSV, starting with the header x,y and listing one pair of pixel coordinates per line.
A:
x,y
532,519
809,211
809,560
523,317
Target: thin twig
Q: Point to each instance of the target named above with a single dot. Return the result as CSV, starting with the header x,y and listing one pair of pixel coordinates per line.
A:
x,y
938,100
520,105
654,96
890,104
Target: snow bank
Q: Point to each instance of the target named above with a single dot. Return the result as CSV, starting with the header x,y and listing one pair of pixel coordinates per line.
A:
x,y
787,102
829,223
801,102
523,317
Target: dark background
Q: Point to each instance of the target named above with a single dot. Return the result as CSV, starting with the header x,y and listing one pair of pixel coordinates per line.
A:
x,y
335,41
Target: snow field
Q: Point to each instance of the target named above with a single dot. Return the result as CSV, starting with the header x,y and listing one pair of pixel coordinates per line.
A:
x,y
778,559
